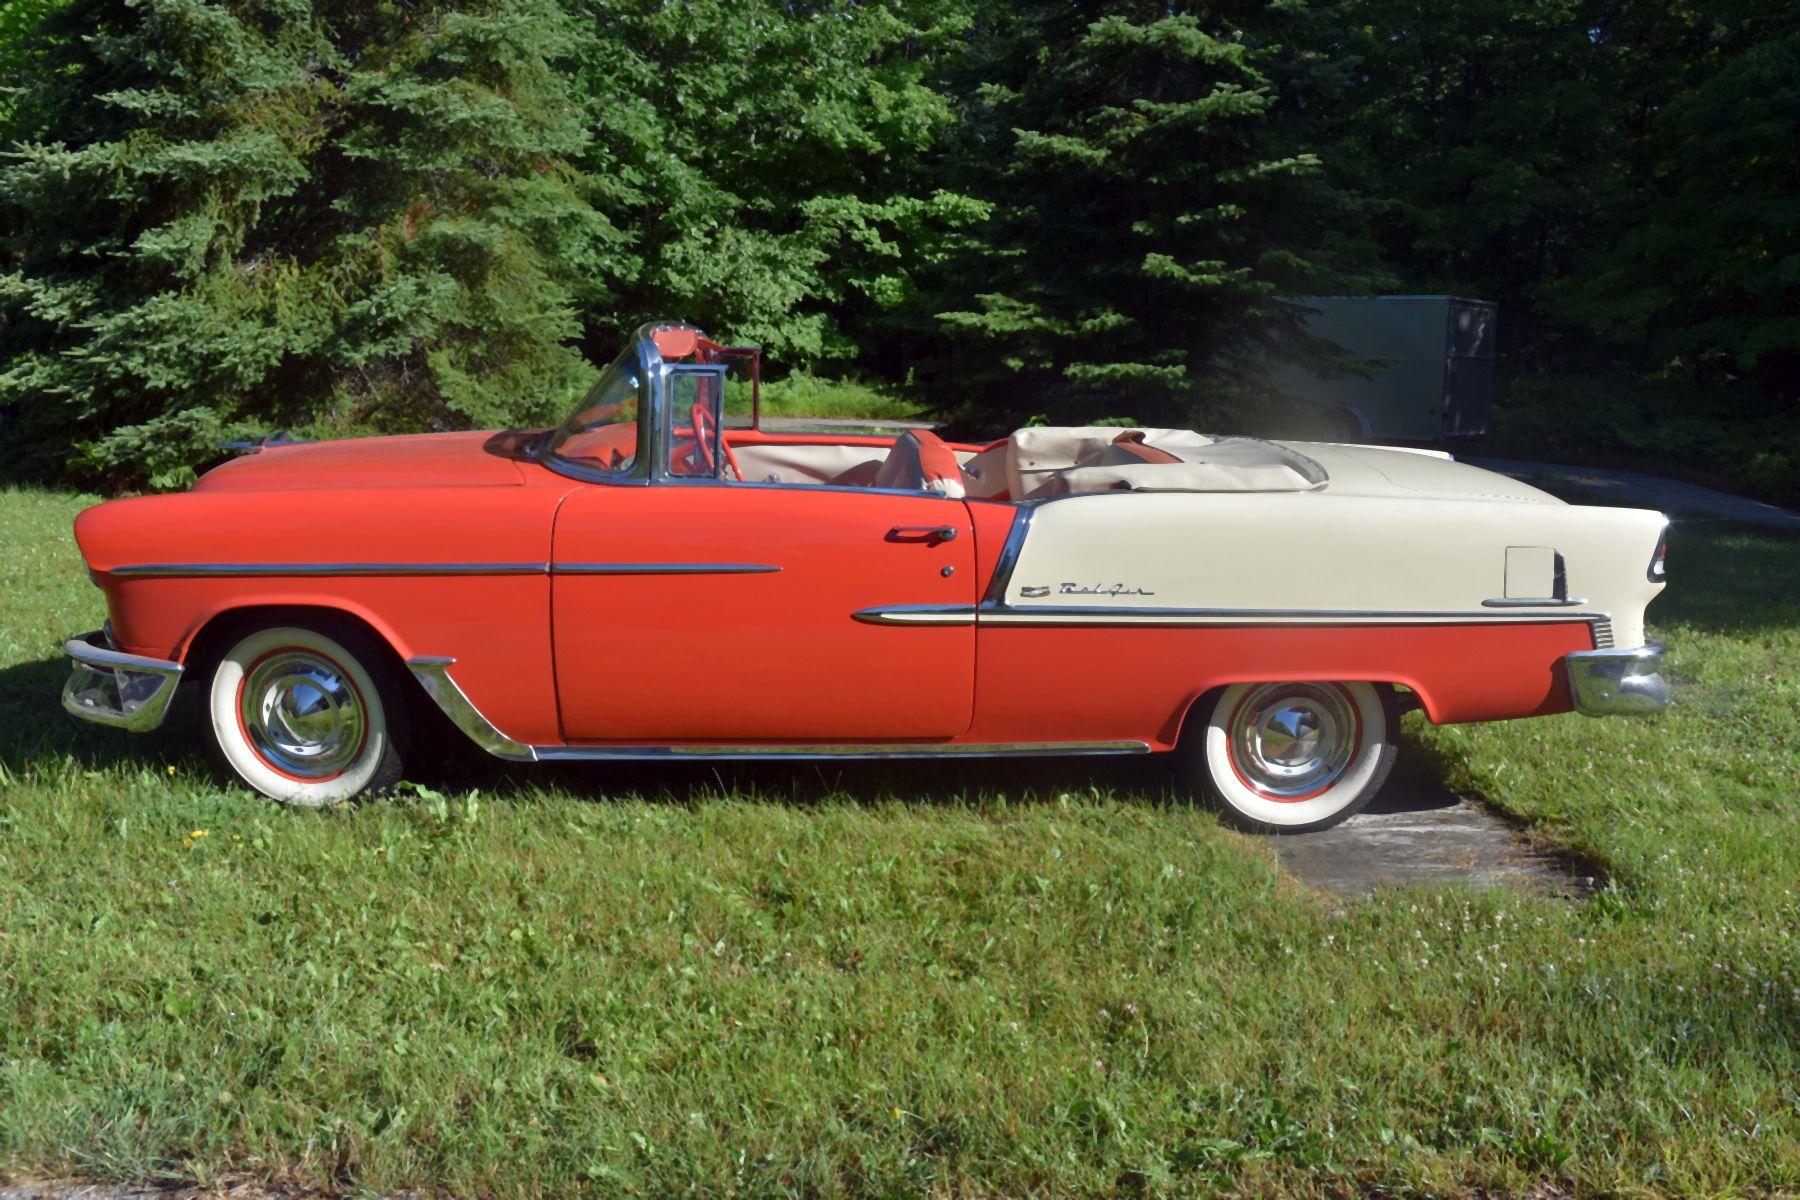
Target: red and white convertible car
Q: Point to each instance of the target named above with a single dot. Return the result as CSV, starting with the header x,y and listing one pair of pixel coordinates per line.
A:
x,y
645,583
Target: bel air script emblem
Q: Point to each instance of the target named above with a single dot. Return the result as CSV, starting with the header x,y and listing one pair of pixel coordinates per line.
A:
x,y
1086,589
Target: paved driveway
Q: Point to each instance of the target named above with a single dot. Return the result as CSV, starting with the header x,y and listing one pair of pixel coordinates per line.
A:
x,y
1632,489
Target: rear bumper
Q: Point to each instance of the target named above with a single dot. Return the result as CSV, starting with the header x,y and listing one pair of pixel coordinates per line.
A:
x,y
109,687
1618,683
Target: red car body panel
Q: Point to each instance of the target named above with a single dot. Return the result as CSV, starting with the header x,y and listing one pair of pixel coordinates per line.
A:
x,y
760,654
413,461
1045,683
497,625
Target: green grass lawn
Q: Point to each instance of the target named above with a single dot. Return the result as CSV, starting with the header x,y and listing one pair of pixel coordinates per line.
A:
x,y
803,395
974,981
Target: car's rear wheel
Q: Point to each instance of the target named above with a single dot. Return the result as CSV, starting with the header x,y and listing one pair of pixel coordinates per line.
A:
x,y
307,714
1292,757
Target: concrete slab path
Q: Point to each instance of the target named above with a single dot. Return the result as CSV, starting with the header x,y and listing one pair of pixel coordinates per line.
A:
x,y
1411,837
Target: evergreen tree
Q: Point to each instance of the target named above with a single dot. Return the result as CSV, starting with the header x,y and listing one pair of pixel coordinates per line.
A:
x,y
299,212
1155,201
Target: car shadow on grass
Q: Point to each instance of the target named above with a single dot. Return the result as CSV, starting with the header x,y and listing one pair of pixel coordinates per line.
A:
x,y
953,782
1152,779
35,732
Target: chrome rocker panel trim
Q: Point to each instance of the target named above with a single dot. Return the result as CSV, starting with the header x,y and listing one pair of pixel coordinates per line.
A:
x,y
1618,683
433,674
842,751
110,687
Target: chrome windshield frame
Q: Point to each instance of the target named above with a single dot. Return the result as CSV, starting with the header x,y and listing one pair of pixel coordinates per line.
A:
x,y
653,373
655,434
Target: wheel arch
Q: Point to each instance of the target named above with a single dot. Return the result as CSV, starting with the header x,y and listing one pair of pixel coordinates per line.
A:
x,y
211,635
1405,694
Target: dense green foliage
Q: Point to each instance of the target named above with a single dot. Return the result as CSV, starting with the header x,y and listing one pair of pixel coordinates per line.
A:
x,y
1153,198
1008,979
755,158
1621,177
218,215
254,213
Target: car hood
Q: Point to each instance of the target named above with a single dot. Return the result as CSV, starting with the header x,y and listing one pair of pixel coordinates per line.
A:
x,y
481,459
1413,474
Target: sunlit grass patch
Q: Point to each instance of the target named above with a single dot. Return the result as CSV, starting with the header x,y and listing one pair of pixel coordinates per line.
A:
x,y
1012,979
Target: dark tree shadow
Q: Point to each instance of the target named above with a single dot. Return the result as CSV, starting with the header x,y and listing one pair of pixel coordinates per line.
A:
x,y
1730,579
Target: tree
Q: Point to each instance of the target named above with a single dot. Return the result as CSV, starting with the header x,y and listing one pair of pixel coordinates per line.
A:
x,y
760,160
19,22
1703,276
1155,202
304,213
1620,175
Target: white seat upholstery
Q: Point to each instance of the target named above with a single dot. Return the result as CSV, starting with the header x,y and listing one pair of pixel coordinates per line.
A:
x,y
920,460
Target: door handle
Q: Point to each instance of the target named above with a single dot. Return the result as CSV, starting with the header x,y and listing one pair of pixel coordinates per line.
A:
x,y
932,534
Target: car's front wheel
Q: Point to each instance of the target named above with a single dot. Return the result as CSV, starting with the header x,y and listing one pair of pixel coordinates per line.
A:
x,y
1292,757
307,714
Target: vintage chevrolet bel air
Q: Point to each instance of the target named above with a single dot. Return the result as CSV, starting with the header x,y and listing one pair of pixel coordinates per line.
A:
x,y
648,582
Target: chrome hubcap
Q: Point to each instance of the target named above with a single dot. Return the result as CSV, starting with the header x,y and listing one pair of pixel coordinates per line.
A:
x,y
1289,740
302,714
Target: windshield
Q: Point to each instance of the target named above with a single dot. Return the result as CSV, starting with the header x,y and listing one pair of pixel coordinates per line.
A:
x,y
603,432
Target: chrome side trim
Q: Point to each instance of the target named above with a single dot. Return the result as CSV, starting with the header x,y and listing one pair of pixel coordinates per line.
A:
x,y
1548,602
753,752
1618,683
665,568
433,674
1009,558
314,570
1050,614
194,570
109,687
1603,635
917,614
915,493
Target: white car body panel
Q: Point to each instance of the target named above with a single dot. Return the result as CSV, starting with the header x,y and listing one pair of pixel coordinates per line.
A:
x,y
1395,536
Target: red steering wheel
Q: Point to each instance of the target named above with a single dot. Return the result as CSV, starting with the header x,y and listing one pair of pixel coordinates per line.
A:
x,y
703,456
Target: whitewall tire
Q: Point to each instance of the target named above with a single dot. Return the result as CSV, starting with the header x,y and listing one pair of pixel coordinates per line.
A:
x,y
1291,757
307,715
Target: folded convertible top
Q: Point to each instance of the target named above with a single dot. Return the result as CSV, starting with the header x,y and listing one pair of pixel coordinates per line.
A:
x,y
1067,460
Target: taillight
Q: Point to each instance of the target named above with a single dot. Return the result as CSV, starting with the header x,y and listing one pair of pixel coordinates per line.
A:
x,y
1658,559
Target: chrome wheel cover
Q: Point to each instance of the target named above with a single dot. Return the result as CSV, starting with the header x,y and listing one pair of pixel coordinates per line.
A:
x,y
1290,741
302,714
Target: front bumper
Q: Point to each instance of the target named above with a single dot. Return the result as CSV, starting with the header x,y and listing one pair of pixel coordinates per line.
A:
x,y
1618,683
110,687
